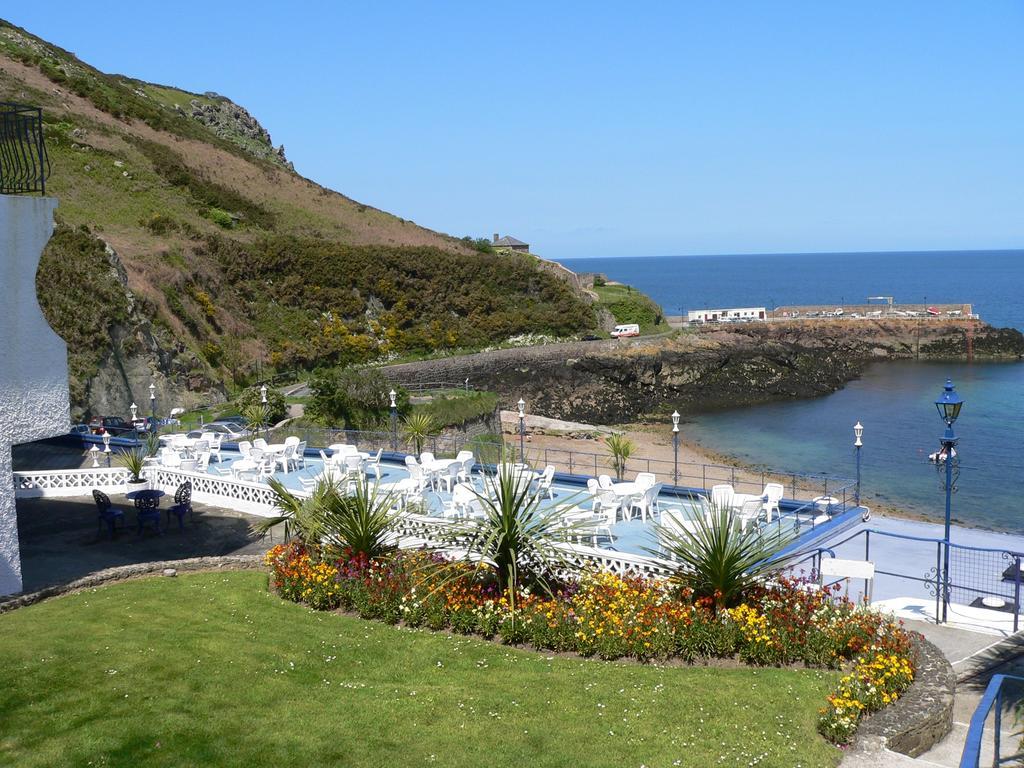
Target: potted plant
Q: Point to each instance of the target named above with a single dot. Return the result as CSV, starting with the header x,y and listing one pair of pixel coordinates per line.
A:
x,y
134,460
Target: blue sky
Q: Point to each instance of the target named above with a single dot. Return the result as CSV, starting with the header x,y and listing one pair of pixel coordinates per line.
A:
x,y
597,129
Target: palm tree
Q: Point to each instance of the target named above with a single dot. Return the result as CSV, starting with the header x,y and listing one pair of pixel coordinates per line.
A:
x,y
302,517
327,520
257,415
517,538
417,427
720,561
362,522
621,448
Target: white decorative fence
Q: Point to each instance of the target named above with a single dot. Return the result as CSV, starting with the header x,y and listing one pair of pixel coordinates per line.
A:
x,y
257,499
69,482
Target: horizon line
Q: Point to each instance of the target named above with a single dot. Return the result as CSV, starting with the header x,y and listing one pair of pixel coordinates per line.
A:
x,y
793,253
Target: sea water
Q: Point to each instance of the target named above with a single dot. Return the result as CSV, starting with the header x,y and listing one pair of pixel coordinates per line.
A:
x,y
893,400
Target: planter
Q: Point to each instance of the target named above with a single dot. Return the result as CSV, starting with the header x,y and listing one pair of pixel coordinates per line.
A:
x,y
140,485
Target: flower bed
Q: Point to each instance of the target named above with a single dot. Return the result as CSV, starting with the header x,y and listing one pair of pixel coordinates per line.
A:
x,y
612,617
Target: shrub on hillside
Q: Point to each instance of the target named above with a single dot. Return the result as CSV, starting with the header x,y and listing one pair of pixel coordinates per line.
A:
x,y
353,398
277,408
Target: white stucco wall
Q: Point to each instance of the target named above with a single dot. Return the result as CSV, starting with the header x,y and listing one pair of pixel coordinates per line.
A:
x,y
33,359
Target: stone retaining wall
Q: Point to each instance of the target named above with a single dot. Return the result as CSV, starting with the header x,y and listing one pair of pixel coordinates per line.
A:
x,y
922,716
107,575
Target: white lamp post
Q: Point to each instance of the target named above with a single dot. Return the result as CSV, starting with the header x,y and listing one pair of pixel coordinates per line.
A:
x,y
394,419
152,404
263,394
522,430
675,447
106,447
95,453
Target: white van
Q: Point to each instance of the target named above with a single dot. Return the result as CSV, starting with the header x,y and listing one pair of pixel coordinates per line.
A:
x,y
621,331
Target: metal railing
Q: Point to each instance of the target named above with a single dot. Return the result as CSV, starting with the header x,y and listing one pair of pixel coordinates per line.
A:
x,y
1002,697
24,165
974,572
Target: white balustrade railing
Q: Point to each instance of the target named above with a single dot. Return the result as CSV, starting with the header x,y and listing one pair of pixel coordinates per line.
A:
x,y
69,482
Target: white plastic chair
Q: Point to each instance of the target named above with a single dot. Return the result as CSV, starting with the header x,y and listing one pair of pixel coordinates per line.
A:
x,y
545,480
645,479
750,511
244,447
215,441
286,458
374,463
260,443
450,477
170,458
772,496
604,481
647,503
722,496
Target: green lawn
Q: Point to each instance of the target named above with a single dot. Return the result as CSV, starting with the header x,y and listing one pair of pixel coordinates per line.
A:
x,y
212,670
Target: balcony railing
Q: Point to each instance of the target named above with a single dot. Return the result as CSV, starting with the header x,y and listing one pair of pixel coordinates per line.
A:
x,y
24,166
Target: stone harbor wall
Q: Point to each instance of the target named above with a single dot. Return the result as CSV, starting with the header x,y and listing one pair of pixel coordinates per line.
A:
x,y
33,360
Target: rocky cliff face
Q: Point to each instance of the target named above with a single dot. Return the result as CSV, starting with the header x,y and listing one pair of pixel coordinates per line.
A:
x,y
234,122
610,382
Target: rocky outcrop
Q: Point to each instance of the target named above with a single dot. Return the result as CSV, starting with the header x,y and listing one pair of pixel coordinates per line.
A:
x,y
618,381
138,354
233,122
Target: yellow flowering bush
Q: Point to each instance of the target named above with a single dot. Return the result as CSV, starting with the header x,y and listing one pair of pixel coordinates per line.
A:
x,y
877,679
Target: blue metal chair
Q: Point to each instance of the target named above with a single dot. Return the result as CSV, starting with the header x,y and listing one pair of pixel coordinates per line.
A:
x,y
147,507
182,504
108,513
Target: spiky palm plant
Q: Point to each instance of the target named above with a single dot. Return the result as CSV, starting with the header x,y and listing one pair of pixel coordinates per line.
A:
x,y
720,561
417,427
621,448
328,520
362,523
134,460
516,537
301,517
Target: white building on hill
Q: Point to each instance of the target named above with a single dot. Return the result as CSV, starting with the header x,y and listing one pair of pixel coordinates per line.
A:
x,y
744,314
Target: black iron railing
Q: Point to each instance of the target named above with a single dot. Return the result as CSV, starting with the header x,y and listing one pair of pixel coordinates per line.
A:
x,y
24,166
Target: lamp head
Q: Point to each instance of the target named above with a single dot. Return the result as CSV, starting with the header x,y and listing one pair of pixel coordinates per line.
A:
x,y
522,407
134,409
106,442
949,404
152,391
392,394
858,433
675,421
263,393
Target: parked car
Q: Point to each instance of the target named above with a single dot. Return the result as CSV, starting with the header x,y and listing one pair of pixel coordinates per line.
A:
x,y
79,429
230,432
237,419
115,425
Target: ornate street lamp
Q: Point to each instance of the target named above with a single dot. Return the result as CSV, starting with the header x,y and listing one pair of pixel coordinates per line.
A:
x,y
106,447
135,411
858,433
522,430
675,447
948,405
152,405
394,419
95,453
263,394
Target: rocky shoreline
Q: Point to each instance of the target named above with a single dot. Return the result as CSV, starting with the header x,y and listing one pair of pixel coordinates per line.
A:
x,y
625,381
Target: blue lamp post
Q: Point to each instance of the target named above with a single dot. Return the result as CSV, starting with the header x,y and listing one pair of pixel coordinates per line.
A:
x,y
948,406
858,433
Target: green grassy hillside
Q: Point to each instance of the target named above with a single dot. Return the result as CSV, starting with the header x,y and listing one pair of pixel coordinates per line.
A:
x,y
187,246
